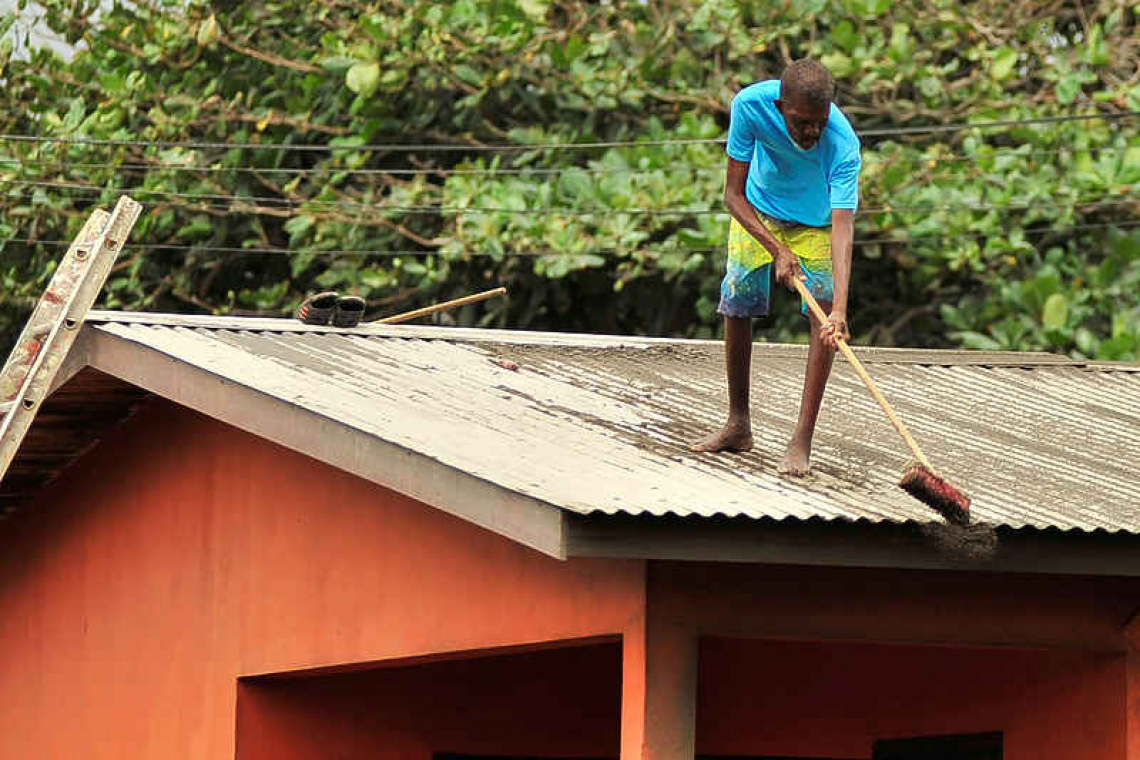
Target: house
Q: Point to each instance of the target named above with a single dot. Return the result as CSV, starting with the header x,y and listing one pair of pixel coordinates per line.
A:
x,y
251,539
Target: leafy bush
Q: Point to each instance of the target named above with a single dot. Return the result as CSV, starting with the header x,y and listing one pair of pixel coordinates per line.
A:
x,y
1018,237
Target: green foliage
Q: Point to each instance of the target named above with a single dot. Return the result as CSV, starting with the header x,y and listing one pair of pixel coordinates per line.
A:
x,y
991,238
1061,303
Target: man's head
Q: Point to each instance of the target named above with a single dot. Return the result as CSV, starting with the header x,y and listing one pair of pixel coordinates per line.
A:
x,y
806,92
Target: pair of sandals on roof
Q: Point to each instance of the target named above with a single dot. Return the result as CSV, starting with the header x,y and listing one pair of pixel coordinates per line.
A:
x,y
331,308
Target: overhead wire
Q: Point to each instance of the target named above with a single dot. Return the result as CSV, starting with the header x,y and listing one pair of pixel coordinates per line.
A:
x,y
515,171
523,147
1005,123
303,204
533,253
429,209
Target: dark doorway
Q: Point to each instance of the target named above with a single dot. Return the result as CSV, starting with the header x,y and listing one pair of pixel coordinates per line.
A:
x,y
987,746
453,756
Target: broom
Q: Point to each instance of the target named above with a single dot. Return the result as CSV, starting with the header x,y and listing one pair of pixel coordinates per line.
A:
x,y
404,317
920,479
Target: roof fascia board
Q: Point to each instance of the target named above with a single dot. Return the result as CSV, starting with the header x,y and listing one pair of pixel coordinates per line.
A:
x,y
843,544
528,521
869,354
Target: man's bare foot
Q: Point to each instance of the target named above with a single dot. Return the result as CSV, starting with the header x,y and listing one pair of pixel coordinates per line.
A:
x,y
797,461
734,436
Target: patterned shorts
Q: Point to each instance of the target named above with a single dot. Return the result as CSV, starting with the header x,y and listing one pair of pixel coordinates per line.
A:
x,y
746,288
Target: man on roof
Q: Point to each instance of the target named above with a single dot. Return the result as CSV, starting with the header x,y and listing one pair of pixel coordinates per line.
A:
x,y
792,188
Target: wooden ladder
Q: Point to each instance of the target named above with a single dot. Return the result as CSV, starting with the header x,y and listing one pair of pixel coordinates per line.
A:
x,y
50,332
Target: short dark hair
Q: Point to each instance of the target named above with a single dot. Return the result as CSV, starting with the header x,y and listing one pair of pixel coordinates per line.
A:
x,y
809,79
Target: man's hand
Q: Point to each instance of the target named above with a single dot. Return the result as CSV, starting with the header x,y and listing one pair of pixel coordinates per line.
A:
x,y
835,327
787,267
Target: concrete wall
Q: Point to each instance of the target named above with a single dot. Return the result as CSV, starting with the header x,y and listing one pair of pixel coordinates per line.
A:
x,y
1134,705
755,698
834,700
821,661
181,554
561,702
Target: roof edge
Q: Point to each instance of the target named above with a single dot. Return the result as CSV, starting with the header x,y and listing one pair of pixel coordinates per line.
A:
x,y
868,354
839,543
521,518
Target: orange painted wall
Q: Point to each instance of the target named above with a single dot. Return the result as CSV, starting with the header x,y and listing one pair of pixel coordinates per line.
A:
x,y
562,702
834,700
905,607
181,554
1134,705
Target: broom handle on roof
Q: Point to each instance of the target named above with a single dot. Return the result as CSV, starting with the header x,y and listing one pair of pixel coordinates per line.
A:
x,y
850,355
440,307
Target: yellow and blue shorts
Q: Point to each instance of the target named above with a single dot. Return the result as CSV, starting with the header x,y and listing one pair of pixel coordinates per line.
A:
x,y
746,288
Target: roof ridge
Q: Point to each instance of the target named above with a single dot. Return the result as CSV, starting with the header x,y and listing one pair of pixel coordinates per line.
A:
x,y
870,354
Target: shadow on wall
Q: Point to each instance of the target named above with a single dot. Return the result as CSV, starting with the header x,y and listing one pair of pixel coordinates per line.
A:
x,y
551,702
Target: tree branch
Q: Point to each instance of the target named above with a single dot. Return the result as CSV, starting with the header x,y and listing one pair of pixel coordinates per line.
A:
x,y
270,58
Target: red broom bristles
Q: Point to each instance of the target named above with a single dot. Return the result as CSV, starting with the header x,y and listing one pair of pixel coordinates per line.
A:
x,y
936,492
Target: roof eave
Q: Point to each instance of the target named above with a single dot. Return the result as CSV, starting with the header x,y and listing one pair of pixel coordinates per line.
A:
x,y
840,543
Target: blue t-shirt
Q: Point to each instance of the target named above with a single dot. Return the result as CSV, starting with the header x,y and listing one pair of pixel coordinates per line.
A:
x,y
784,180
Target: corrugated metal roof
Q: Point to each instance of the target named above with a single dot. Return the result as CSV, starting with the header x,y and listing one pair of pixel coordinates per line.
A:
x,y
593,424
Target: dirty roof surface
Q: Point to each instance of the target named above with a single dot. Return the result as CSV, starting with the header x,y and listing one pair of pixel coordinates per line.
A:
x,y
594,424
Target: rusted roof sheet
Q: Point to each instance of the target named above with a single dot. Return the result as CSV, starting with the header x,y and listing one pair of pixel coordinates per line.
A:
x,y
600,424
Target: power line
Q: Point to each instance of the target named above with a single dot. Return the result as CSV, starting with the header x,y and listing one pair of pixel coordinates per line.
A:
x,y
373,148
1013,153
514,171
286,204
935,128
356,172
522,147
1043,203
978,235
645,250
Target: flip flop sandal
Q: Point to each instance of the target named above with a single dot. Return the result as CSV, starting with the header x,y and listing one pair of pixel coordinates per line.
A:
x,y
317,309
348,311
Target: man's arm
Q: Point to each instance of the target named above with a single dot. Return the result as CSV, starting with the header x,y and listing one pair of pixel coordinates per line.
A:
x,y
842,239
785,261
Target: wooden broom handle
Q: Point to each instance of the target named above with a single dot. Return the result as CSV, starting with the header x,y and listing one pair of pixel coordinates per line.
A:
x,y
850,356
440,307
